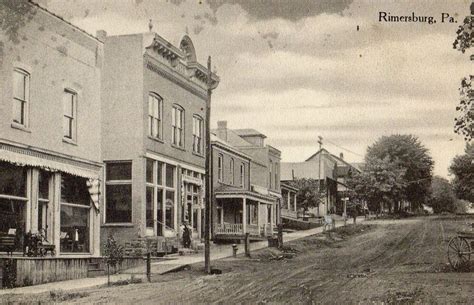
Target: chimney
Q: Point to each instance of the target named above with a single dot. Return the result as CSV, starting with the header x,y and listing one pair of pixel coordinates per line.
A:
x,y
222,130
341,155
101,35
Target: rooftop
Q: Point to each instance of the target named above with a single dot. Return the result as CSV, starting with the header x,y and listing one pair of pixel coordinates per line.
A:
x,y
249,132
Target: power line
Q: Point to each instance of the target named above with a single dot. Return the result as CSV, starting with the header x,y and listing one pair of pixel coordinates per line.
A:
x,y
346,149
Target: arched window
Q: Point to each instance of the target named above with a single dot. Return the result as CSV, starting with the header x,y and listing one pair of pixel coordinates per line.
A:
x,y
177,126
155,115
197,134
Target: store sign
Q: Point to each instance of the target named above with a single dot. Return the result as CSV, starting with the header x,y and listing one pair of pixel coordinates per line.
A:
x,y
192,180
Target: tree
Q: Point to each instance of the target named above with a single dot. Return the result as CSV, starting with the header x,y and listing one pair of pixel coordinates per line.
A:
x,y
442,196
15,14
309,195
380,183
462,167
113,254
406,153
464,123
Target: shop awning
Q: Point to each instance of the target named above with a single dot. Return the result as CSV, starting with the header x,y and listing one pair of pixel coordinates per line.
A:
x,y
23,158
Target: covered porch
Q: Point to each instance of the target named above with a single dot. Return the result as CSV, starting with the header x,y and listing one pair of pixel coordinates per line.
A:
x,y
289,208
244,212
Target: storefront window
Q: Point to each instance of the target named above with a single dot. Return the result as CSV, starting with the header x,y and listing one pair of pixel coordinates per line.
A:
x,y
13,202
159,174
159,212
149,207
12,180
75,214
75,226
43,202
149,170
169,175
169,209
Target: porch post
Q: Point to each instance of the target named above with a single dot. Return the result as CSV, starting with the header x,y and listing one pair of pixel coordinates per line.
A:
x,y
34,201
295,202
56,211
244,215
272,214
258,217
222,214
288,201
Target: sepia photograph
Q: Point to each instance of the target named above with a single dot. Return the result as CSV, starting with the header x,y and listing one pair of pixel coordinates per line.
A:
x,y
236,152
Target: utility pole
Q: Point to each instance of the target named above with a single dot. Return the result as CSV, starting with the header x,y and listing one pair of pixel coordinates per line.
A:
x,y
208,184
320,142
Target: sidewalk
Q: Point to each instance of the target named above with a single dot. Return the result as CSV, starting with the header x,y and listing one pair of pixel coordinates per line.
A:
x,y
162,267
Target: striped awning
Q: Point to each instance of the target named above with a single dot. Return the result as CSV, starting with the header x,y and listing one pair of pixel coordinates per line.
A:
x,y
23,157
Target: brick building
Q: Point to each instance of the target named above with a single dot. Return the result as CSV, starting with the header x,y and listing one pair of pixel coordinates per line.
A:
x,y
154,101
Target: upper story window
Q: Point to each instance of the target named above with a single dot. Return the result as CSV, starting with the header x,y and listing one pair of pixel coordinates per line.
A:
x,y
276,175
232,171
21,96
270,183
155,106
197,134
242,175
69,114
177,124
220,164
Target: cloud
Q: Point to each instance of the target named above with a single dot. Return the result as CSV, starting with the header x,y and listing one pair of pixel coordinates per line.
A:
x,y
292,10
298,69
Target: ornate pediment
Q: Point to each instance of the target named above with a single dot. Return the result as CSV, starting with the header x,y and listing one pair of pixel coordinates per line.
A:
x,y
180,61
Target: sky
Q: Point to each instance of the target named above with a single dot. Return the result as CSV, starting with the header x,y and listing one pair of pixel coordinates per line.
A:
x,y
298,69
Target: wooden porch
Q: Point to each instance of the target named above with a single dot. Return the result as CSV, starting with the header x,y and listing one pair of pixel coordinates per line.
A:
x,y
236,231
18,271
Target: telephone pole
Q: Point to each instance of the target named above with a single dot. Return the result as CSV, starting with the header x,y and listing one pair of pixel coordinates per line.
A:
x,y
208,184
320,142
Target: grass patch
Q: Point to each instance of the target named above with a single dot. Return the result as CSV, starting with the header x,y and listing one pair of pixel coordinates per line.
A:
x,y
59,295
132,280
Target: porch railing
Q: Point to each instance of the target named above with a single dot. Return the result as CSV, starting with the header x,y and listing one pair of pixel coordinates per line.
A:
x,y
229,228
253,230
289,213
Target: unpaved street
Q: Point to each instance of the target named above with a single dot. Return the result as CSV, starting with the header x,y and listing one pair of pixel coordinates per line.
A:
x,y
397,261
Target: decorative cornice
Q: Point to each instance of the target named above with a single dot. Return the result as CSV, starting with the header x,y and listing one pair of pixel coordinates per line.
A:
x,y
177,79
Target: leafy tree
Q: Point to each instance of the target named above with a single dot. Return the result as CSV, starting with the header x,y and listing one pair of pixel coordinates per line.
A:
x,y
464,123
309,195
462,167
381,182
113,254
406,153
442,196
15,14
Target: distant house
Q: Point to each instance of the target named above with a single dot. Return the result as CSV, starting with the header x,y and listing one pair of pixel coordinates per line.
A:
x,y
332,172
246,183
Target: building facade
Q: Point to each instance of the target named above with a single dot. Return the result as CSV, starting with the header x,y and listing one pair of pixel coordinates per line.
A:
x,y
153,144
332,171
264,176
50,114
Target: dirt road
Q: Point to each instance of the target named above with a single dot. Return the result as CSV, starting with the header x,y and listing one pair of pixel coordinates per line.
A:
x,y
400,262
